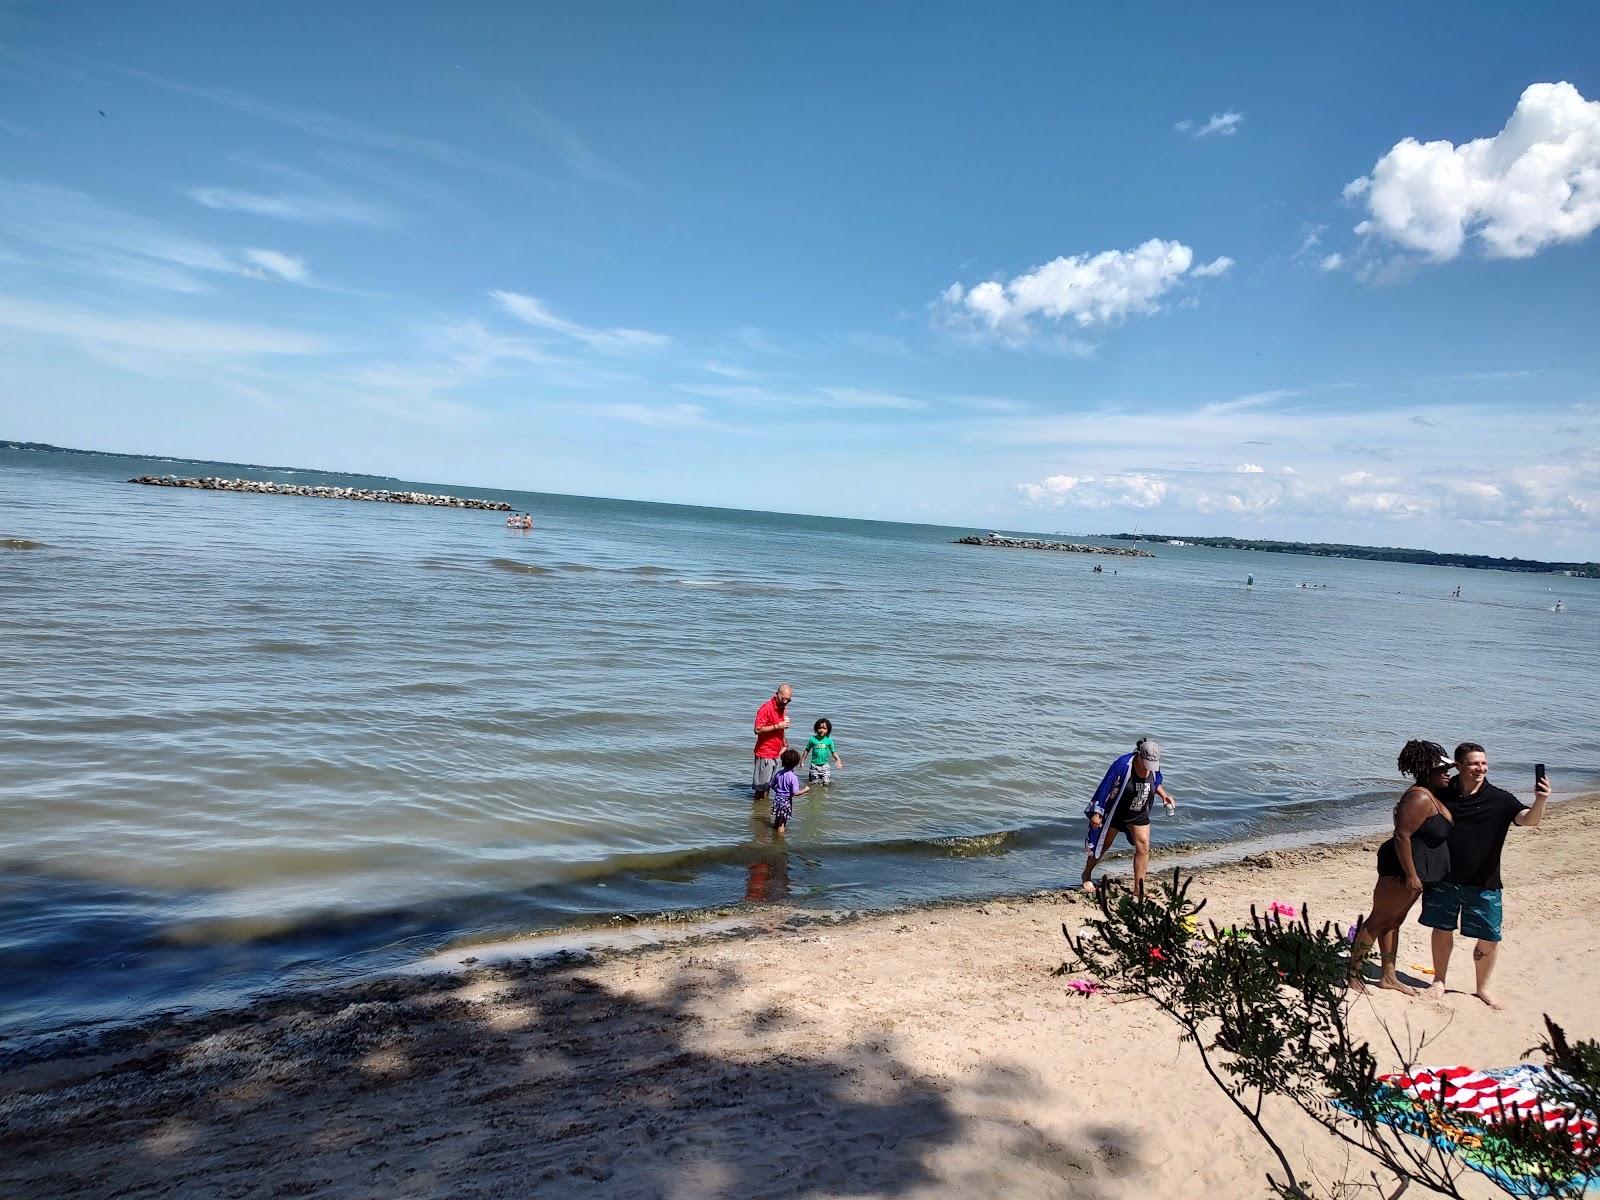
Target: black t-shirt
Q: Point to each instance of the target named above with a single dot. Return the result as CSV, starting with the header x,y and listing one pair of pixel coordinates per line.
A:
x,y
1479,833
1135,797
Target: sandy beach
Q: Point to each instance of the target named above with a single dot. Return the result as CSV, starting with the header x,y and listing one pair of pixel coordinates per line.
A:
x,y
920,1053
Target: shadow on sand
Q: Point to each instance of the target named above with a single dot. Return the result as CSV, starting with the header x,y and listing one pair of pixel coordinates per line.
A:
x,y
522,1082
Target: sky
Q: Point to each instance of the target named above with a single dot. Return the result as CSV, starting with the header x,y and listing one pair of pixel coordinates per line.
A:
x,y
1319,274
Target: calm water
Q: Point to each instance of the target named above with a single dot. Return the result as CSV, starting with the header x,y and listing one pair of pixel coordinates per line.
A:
x,y
255,740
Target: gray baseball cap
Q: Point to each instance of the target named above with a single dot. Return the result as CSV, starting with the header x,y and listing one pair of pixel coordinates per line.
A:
x,y
1150,752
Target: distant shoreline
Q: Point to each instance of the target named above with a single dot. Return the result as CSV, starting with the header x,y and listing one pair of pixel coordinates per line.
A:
x,y
47,448
1427,558
1313,549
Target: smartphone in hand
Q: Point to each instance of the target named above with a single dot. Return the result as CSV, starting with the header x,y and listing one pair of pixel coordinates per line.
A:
x,y
1538,773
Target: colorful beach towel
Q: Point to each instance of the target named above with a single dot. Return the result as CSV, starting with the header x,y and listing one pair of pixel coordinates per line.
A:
x,y
1424,1102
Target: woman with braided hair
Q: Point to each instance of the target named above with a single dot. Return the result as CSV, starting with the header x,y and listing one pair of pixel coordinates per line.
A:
x,y
1417,853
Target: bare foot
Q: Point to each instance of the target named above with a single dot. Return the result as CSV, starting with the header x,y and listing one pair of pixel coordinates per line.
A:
x,y
1394,985
1088,886
1436,990
1357,984
1490,1001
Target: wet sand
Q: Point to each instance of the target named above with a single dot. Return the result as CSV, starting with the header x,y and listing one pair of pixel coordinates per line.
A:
x,y
922,1053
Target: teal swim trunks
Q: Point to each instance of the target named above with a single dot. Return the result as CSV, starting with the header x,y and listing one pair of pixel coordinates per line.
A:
x,y
1477,909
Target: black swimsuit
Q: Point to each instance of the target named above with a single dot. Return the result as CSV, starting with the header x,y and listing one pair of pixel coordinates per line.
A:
x,y
1430,851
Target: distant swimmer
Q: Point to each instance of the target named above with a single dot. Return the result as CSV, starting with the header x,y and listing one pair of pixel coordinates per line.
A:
x,y
1557,607
520,521
1097,569
1249,581
1457,592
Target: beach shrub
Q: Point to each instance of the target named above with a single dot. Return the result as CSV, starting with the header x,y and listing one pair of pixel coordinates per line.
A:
x,y
1268,1012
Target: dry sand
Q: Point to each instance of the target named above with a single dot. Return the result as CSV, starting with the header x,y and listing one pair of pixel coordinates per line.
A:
x,y
926,1053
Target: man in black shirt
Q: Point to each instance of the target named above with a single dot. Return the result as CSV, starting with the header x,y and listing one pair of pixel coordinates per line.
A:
x,y
1482,816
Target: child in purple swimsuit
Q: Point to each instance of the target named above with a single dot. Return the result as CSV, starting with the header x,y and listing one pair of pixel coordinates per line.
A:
x,y
786,786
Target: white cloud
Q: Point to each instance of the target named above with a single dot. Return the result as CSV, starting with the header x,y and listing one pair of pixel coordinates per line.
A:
x,y
1084,290
1213,268
1330,262
1534,183
608,341
313,210
1224,123
1249,469
267,264
1480,475
1132,490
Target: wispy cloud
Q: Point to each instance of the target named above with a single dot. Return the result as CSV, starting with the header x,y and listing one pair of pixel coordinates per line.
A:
x,y
667,416
608,341
85,235
1482,377
175,337
1217,266
850,397
1225,124
579,157
350,133
327,209
273,264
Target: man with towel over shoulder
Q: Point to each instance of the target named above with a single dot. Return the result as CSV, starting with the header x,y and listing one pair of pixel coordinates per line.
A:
x,y
1122,804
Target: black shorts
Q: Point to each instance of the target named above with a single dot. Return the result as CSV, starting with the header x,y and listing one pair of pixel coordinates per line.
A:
x,y
1122,822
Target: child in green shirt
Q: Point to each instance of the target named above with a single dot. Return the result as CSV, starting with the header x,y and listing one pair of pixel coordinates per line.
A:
x,y
820,750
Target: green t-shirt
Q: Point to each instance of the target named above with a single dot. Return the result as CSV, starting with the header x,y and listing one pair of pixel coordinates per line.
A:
x,y
820,749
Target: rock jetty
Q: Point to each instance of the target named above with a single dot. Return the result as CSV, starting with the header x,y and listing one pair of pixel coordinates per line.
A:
x,y
269,488
995,539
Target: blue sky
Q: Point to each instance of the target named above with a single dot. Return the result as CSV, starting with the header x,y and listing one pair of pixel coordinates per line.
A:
x,y
1325,275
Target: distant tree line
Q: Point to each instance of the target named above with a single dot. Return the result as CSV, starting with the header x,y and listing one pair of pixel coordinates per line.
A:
x,y
1482,562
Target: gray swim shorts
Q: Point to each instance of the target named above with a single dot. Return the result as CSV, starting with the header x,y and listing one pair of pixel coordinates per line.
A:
x,y
761,777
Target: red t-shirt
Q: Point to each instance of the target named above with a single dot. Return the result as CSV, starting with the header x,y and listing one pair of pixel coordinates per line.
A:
x,y
769,745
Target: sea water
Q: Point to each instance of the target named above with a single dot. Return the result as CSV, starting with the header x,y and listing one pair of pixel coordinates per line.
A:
x,y
249,741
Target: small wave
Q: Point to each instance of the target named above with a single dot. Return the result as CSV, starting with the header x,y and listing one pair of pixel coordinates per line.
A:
x,y
20,544
519,568
701,583
270,646
578,568
647,569
976,845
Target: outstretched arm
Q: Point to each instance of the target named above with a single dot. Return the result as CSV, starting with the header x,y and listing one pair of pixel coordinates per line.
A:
x,y
1529,817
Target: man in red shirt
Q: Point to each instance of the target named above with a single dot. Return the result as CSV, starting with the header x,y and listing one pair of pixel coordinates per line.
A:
x,y
771,737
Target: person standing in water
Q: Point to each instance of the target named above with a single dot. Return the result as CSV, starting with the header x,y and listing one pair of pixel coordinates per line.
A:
x,y
772,735
1122,804
824,755
1417,854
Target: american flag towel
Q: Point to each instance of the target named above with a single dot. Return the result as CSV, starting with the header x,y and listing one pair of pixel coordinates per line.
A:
x,y
1432,1095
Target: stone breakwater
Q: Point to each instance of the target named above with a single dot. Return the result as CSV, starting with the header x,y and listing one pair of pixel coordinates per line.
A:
x,y
995,539
269,488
